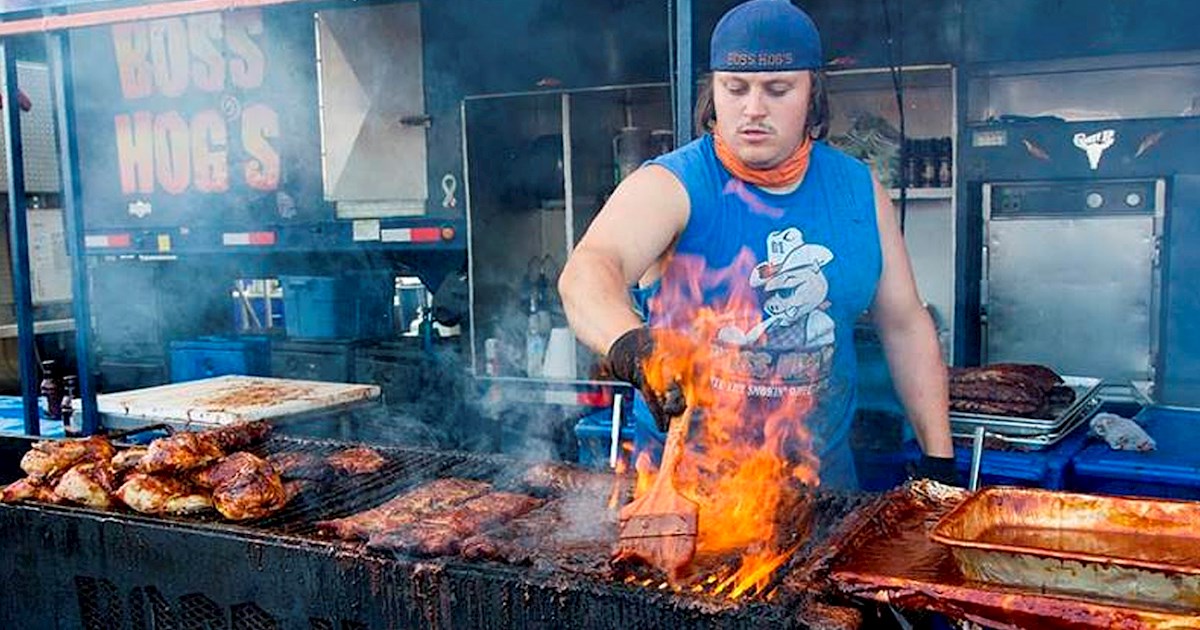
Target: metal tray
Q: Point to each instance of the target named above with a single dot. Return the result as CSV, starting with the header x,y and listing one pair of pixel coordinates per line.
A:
x,y
963,424
1133,549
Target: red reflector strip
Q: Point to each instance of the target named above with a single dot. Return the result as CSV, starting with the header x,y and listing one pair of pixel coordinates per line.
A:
x,y
248,238
98,241
599,398
411,235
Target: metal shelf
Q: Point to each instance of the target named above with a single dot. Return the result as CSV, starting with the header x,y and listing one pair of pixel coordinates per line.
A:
x,y
9,331
923,194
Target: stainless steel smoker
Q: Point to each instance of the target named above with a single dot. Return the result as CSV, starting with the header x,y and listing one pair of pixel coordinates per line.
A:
x,y
1071,275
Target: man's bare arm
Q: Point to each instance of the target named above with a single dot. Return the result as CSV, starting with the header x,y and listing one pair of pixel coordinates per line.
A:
x,y
634,229
910,339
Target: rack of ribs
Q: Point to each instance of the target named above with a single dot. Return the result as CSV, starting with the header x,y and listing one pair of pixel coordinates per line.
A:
x,y
442,534
405,508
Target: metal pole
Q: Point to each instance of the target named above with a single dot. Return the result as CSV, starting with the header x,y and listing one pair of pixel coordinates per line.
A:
x,y
685,81
68,158
18,235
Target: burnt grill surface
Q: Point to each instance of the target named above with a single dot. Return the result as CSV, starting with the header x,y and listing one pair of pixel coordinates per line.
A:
x,y
135,558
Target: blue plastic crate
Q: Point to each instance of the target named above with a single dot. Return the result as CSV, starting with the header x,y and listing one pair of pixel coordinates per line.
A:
x,y
214,356
12,418
1048,468
593,433
1171,471
349,306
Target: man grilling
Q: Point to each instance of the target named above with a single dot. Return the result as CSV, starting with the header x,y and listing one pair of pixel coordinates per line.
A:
x,y
822,234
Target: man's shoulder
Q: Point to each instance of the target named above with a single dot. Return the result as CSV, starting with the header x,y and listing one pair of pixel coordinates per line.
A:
x,y
693,164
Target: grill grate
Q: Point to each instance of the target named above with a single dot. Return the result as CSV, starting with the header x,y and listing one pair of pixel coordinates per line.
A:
x,y
444,592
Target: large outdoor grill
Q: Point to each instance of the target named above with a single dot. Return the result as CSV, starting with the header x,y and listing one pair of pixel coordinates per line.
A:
x,y
78,567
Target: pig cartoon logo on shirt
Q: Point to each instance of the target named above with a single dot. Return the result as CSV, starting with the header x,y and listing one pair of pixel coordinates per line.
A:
x,y
795,289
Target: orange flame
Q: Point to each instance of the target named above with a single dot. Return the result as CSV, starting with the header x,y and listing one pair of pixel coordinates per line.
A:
x,y
751,441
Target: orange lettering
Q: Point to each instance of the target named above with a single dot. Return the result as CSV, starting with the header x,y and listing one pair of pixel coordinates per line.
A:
x,y
171,155
131,43
209,157
248,69
135,152
208,67
259,124
169,53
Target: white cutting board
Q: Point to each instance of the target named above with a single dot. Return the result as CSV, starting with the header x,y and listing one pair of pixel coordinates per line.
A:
x,y
227,399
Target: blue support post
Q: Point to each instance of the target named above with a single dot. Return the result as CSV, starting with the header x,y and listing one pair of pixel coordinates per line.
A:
x,y
685,80
59,46
18,235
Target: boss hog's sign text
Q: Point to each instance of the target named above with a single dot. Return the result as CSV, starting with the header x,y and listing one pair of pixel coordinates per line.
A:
x,y
177,58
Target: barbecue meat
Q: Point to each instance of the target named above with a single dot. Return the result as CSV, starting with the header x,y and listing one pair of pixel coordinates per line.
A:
x,y
245,486
1008,389
91,484
180,452
48,459
559,478
29,489
442,534
239,436
301,466
517,541
422,539
162,495
405,508
128,459
356,461
1044,376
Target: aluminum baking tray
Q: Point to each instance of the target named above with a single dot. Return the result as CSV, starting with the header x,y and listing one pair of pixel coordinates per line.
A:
x,y
963,424
1133,549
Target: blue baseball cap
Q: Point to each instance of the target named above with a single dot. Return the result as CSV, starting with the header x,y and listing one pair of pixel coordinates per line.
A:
x,y
765,36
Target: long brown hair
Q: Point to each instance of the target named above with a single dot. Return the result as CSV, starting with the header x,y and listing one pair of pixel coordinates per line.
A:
x,y
816,125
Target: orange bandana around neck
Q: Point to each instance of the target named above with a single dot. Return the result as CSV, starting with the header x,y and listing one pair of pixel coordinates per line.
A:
x,y
786,173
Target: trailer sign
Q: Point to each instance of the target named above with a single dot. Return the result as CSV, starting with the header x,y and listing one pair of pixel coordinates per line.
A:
x,y
208,118
172,58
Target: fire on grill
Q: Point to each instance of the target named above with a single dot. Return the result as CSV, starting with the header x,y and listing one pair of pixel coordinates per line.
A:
x,y
185,473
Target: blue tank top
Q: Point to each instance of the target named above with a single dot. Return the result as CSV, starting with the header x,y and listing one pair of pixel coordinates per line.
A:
x,y
808,262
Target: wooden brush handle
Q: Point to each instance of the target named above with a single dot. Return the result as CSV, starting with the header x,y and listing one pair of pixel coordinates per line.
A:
x,y
673,450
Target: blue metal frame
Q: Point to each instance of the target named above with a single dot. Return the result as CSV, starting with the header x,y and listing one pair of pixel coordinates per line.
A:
x,y
685,80
19,239
59,46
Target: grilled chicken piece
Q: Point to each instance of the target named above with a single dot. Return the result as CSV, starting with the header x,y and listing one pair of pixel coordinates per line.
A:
x,y
301,466
49,459
356,461
236,437
128,459
29,489
180,452
91,484
245,486
162,495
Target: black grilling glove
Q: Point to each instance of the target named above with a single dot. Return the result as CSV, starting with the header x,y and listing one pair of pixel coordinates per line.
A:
x,y
627,359
939,469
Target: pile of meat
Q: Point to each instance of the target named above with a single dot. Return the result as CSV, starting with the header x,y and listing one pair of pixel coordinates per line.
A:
x,y
479,520
1009,389
184,473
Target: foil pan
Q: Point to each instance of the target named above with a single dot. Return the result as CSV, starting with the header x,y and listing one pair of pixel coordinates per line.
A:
x,y
884,553
1144,550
